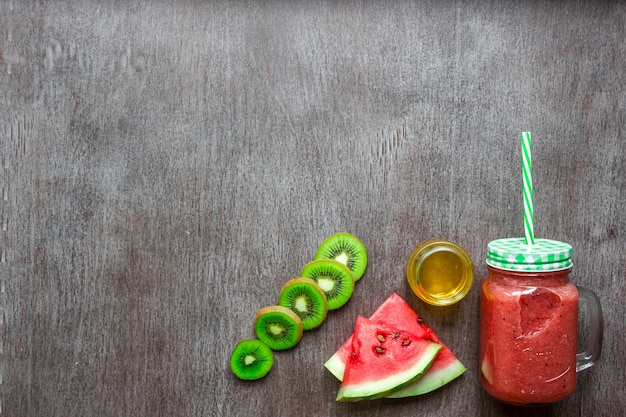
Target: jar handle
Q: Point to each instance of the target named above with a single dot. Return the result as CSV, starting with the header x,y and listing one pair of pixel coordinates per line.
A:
x,y
590,356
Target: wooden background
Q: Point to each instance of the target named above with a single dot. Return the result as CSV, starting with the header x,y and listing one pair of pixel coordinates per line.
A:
x,y
167,165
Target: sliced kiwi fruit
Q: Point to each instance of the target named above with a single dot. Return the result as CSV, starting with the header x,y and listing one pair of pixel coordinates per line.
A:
x,y
305,298
251,359
333,277
347,249
278,327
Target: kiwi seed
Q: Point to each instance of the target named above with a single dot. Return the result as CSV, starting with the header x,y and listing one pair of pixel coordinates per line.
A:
x,y
347,249
334,278
305,298
251,359
278,327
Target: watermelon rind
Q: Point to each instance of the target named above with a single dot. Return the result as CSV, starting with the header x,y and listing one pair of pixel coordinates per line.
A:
x,y
379,388
430,381
336,366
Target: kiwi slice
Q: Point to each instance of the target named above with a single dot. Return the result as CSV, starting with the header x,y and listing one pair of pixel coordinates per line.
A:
x,y
305,298
333,277
251,359
347,249
278,327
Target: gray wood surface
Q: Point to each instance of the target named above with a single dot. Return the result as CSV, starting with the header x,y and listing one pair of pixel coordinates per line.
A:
x,y
167,165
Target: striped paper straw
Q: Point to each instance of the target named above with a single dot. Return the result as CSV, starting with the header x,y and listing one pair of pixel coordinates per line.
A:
x,y
527,176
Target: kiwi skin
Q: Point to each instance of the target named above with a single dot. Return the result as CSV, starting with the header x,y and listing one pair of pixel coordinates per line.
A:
x,y
347,249
251,359
289,323
308,288
325,272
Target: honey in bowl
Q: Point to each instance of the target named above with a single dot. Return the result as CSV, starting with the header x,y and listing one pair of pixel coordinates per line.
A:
x,y
440,272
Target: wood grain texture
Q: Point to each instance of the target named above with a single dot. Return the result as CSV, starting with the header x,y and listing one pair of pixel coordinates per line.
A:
x,y
167,166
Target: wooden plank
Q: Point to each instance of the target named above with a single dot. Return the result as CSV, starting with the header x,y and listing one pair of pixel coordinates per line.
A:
x,y
166,167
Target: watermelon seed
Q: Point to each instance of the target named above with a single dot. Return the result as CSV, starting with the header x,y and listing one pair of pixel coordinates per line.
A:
x,y
381,338
395,335
379,350
406,342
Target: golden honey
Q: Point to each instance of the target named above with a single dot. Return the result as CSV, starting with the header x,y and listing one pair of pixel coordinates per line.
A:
x,y
440,272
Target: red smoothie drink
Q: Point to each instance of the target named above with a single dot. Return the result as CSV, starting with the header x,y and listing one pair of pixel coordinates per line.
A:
x,y
529,314
528,345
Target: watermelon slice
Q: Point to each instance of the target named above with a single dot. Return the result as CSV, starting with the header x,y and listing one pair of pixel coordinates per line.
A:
x,y
396,312
383,358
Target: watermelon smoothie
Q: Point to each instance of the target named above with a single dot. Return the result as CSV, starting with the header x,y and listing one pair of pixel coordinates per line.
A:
x,y
528,345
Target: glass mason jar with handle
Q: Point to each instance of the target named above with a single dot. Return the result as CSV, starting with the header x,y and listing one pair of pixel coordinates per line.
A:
x,y
529,323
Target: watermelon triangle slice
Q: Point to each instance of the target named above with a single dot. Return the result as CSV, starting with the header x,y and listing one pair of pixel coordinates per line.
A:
x,y
383,358
396,312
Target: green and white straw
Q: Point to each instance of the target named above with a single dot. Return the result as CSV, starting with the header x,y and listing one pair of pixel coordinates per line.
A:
x,y
527,177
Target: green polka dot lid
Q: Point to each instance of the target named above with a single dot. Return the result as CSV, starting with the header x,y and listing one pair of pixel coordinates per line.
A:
x,y
514,254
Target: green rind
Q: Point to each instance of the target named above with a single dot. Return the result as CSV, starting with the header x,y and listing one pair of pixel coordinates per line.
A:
x,y
430,381
380,388
336,366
